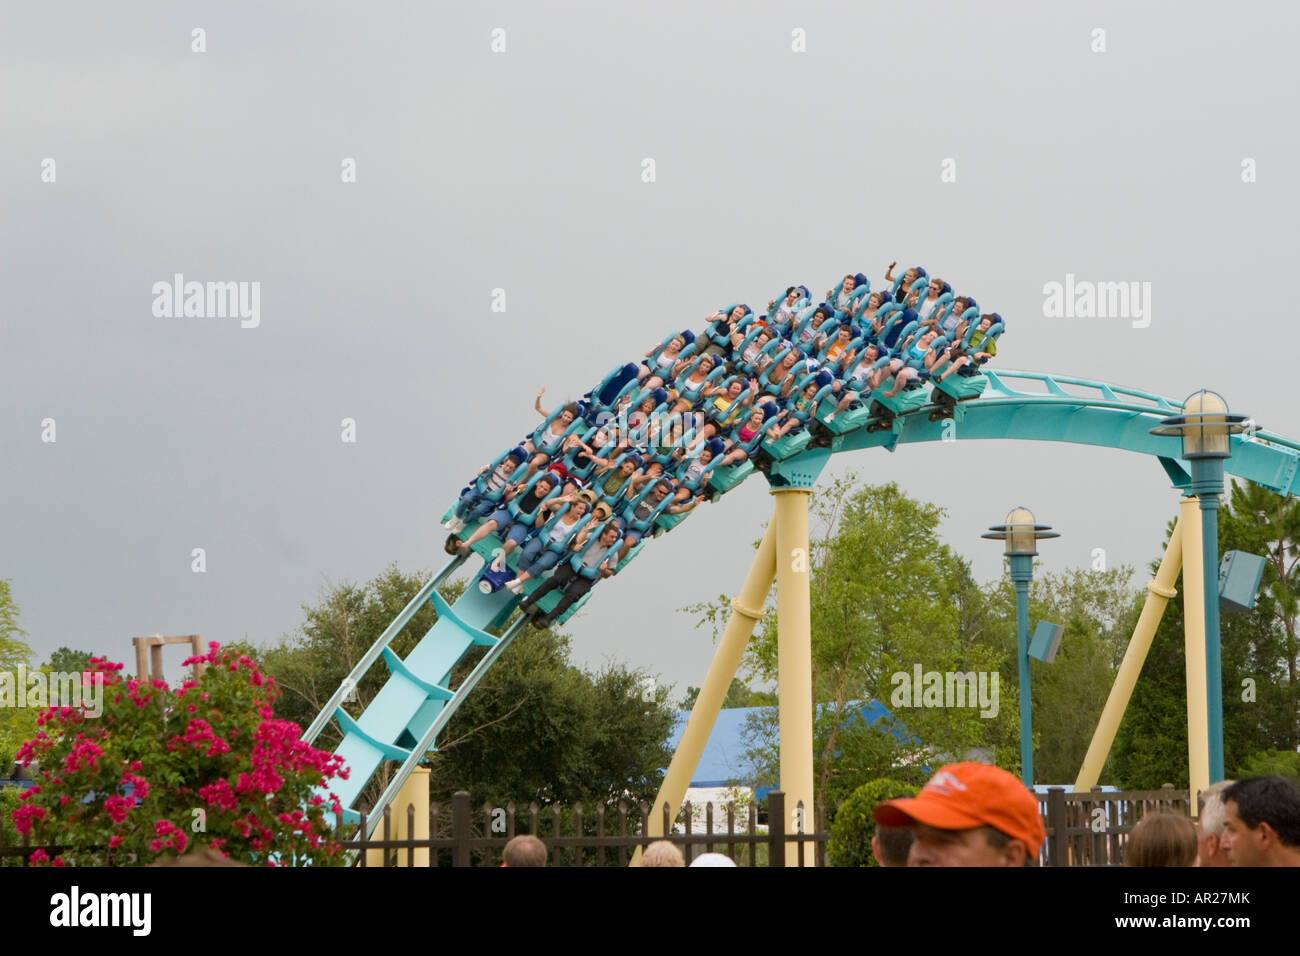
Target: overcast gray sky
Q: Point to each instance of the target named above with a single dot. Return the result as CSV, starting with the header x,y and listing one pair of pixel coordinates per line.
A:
x,y
522,170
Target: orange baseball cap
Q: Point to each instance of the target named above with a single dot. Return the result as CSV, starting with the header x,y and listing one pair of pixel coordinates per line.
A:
x,y
966,795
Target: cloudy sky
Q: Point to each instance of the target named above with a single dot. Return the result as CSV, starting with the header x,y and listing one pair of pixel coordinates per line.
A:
x,y
1119,155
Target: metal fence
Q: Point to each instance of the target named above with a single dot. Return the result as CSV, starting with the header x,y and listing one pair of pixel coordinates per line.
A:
x,y
578,836
1091,828
1083,829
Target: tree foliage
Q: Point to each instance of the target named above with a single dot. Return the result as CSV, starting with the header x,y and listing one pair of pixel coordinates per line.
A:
x,y
739,694
888,595
68,661
535,728
850,837
17,724
1261,698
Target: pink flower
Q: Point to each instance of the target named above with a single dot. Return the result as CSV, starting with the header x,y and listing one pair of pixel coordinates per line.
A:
x,y
40,856
117,807
114,842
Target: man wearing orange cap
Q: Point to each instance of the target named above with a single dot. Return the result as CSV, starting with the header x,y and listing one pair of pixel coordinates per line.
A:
x,y
969,814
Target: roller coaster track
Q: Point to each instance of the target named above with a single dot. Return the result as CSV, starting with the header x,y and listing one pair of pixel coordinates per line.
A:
x,y
402,723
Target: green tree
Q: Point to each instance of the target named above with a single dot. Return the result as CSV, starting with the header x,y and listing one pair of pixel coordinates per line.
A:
x,y
739,694
535,728
1097,610
538,728
887,595
17,724
66,660
1261,702
854,826
13,649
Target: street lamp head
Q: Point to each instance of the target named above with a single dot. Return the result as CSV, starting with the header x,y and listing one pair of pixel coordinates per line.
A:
x,y
1204,426
1020,532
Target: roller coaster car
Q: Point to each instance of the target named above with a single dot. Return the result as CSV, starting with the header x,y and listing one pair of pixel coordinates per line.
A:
x,y
884,411
787,446
954,389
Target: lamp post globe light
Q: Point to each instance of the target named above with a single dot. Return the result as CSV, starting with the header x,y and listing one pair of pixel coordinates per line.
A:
x,y
1021,534
1205,428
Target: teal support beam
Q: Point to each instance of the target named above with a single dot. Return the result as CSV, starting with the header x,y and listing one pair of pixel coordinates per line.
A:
x,y
1207,485
1022,573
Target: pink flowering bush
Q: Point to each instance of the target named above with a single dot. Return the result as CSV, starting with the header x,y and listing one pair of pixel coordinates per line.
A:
x,y
162,770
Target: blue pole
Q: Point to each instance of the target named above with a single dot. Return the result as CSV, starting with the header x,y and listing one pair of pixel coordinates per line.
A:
x,y
1022,573
1207,485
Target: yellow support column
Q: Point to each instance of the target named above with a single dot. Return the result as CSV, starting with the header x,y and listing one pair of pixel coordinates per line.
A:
x,y
746,610
1198,715
1159,591
794,663
415,791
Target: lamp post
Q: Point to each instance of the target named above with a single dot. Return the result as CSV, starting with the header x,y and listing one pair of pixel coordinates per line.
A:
x,y
1204,428
1021,535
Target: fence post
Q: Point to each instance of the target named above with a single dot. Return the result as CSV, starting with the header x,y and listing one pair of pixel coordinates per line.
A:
x,y
776,828
1098,839
460,828
1056,825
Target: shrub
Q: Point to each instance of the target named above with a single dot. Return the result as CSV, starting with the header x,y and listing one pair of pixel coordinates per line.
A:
x,y
161,769
849,843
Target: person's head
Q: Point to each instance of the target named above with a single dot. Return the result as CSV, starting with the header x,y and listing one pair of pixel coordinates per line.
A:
x,y
936,287
738,313
1161,838
909,277
763,338
960,304
602,511
821,315
870,353
543,486
706,453
609,534
875,301
569,413
578,508
706,363
734,388
662,853
810,390
1261,822
792,295
986,322
661,490
789,359
676,343
928,336
526,850
648,403
849,283
756,418
969,814
508,465
654,469
1209,827
627,467
890,845
844,333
